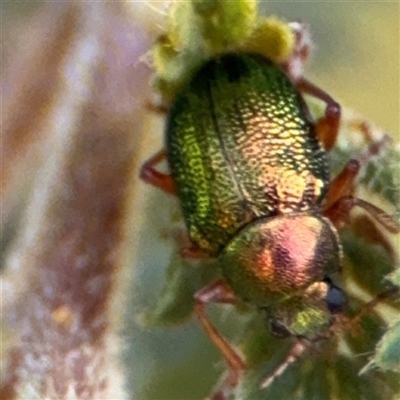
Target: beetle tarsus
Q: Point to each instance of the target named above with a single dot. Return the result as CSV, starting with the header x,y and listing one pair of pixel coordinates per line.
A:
x,y
294,66
295,352
339,212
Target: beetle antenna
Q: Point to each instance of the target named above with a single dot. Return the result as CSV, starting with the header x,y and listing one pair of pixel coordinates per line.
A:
x,y
295,352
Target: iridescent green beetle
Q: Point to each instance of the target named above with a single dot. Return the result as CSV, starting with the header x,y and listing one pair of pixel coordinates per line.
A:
x,y
249,167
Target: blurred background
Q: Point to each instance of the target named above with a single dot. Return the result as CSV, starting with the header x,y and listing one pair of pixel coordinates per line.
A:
x,y
356,55
357,60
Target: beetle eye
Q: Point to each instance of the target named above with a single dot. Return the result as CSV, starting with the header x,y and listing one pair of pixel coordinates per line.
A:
x,y
336,299
278,329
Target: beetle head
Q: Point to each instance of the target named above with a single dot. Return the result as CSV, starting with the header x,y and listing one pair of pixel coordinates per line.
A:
x,y
306,315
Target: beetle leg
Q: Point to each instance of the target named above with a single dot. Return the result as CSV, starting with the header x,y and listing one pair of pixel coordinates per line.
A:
x,y
343,183
219,292
150,175
366,129
189,250
294,66
339,202
328,126
157,108
295,352
352,324
339,212
368,307
193,252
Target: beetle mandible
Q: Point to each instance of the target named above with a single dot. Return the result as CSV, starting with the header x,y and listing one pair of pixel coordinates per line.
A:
x,y
249,167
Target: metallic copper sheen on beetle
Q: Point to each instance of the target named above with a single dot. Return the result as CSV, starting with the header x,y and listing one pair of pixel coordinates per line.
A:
x,y
250,175
248,167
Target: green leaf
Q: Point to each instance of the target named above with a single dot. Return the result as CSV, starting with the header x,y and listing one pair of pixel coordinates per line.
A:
x,y
176,302
394,277
387,354
367,263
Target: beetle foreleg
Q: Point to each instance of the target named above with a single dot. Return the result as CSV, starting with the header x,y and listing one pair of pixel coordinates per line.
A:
x,y
219,292
368,307
150,175
352,324
328,126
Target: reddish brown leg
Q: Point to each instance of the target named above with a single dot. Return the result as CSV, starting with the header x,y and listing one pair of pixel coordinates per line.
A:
x,y
302,344
295,352
194,253
374,149
189,250
339,202
328,126
345,324
368,307
339,212
342,184
150,175
367,130
164,182
219,292
157,108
